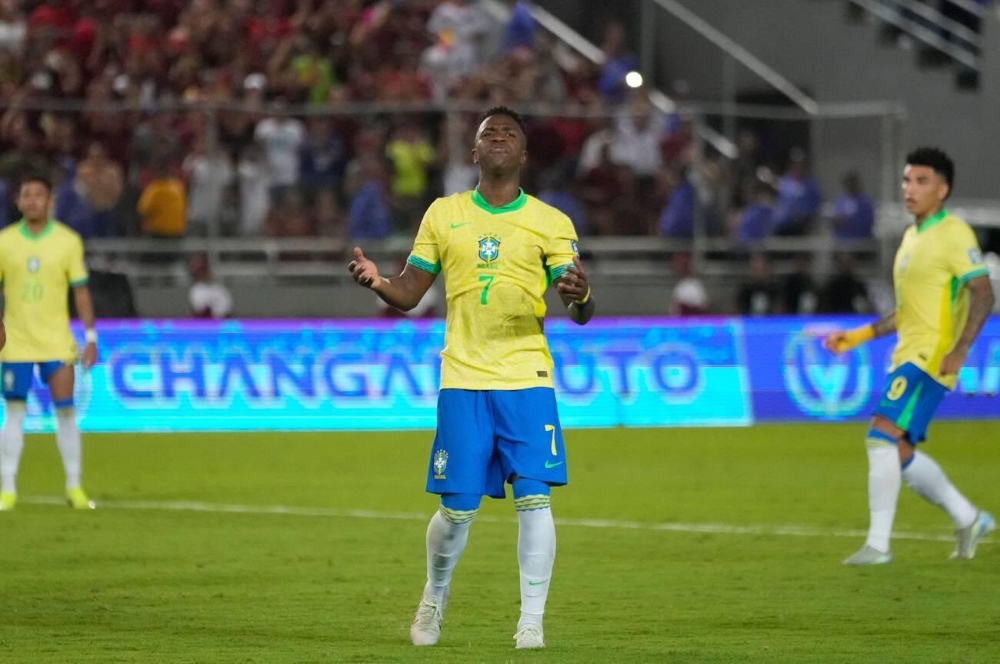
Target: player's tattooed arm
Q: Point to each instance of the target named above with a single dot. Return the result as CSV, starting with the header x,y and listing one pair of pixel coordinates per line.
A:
x,y
885,325
403,292
981,300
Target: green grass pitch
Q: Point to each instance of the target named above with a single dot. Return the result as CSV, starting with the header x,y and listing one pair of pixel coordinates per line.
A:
x,y
675,545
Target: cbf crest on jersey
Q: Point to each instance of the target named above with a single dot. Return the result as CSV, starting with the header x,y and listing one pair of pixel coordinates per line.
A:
x,y
440,464
33,264
489,248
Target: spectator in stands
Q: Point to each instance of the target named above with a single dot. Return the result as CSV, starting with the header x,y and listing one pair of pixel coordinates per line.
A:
x,y
755,221
638,130
556,190
853,212
13,27
689,297
207,297
163,205
70,205
209,172
459,28
323,156
602,189
103,183
759,295
281,136
743,170
289,216
369,215
677,221
844,292
617,63
460,172
519,31
254,175
411,154
799,198
799,292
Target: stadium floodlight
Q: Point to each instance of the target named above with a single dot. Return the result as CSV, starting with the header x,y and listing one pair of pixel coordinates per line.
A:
x,y
633,79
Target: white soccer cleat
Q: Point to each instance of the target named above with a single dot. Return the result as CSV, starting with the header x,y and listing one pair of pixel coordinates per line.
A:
x,y
867,555
426,627
529,637
968,538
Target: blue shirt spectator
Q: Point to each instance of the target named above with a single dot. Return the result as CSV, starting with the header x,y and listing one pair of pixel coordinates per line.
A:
x,y
755,223
72,208
369,216
853,212
677,219
520,29
799,199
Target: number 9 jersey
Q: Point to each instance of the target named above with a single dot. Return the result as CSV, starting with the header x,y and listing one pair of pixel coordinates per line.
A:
x,y
37,272
497,264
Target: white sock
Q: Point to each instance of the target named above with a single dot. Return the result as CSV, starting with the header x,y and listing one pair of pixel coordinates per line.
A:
x,y
925,476
536,554
446,541
11,445
884,481
68,440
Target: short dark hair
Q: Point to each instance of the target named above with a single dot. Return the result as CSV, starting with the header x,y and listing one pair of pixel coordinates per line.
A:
x,y
36,177
935,159
503,110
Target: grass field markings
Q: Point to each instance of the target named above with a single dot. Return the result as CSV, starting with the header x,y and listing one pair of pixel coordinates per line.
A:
x,y
780,530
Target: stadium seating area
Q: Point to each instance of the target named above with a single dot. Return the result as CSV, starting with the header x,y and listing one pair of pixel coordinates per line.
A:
x,y
337,123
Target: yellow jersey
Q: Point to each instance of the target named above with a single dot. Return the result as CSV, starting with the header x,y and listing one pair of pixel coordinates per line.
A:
x,y
37,272
497,264
932,265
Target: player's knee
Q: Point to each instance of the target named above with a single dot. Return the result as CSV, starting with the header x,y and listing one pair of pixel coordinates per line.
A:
x,y
876,438
460,507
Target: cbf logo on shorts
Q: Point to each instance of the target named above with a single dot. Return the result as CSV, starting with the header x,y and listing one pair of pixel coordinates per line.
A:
x,y
440,464
822,384
489,248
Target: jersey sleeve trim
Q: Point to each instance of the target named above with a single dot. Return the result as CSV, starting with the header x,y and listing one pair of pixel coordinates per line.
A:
x,y
426,266
79,282
558,271
978,272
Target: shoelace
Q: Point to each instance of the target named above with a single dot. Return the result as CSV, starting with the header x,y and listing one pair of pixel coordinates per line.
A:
x,y
533,630
428,614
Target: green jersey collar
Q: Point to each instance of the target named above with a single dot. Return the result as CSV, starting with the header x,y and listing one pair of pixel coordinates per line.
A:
x,y
932,221
514,205
49,225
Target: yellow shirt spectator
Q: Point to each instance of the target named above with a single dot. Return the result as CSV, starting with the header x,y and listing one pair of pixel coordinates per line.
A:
x,y
163,206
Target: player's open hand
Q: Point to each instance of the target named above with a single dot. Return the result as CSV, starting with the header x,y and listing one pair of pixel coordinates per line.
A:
x,y
89,357
574,283
364,271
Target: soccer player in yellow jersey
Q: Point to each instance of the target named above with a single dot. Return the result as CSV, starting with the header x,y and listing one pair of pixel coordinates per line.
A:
x,y
499,249
943,297
40,259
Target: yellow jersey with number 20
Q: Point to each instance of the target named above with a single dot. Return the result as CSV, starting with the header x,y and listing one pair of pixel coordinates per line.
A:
x,y
37,272
497,264
932,266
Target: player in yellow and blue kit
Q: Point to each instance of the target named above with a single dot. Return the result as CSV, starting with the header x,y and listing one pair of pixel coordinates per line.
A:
x,y
40,260
499,250
943,297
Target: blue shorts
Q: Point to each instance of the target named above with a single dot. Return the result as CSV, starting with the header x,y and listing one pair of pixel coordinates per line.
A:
x,y
484,437
18,376
911,396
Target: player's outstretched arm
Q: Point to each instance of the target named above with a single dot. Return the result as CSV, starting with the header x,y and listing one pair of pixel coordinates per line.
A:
x,y
842,341
981,300
403,292
85,310
574,290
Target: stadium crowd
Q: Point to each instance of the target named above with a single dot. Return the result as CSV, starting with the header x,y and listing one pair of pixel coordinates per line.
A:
x,y
168,118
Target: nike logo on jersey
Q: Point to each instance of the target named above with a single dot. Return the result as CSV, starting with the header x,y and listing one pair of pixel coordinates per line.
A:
x,y
551,464
464,223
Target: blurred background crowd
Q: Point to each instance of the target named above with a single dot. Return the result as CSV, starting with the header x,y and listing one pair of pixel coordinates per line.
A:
x,y
281,118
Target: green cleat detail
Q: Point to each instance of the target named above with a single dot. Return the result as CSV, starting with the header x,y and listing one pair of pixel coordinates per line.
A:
x,y
78,500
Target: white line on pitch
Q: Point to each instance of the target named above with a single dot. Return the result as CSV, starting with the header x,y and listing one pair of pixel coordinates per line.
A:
x,y
710,528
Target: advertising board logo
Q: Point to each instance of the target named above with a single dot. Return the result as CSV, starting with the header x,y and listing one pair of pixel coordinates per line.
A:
x,y
825,385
